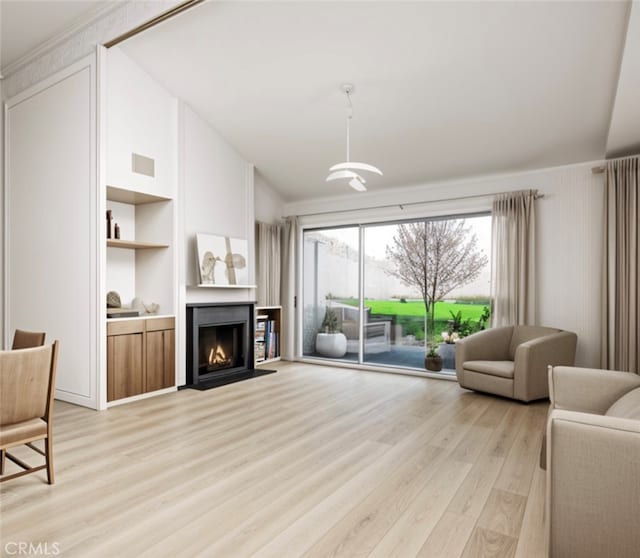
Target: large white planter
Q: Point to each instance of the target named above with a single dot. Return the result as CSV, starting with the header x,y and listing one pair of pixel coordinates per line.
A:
x,y
333,345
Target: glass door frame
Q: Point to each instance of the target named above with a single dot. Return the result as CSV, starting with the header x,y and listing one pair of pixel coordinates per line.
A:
x,y
361,364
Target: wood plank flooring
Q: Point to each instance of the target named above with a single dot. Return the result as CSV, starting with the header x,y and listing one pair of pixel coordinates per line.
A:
x,y
312,461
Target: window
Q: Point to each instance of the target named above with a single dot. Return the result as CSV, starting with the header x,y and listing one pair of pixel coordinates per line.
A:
x,y
380,294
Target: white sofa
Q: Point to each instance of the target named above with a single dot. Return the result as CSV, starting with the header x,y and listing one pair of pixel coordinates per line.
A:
x,y
593,464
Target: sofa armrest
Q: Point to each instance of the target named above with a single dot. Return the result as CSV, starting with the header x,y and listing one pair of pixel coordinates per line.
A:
x,y
533,358
588,390
593,485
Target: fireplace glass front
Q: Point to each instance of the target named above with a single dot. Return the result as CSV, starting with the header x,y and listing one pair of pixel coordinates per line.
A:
x,y
220,347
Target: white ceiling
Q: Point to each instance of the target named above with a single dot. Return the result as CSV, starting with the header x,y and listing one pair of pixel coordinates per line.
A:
x,y
624,134
443,89
26,24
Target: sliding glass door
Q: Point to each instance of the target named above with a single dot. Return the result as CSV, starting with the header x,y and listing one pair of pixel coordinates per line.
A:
x,y
331,278
383,294
394,329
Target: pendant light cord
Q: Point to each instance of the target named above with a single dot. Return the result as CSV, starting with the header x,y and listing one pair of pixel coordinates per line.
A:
x,y
349,117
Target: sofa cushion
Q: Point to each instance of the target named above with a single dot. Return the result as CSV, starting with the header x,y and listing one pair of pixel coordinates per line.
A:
x,y
628,406
501,368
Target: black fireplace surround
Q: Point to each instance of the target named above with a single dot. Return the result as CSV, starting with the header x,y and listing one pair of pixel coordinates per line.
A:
x,y
219,343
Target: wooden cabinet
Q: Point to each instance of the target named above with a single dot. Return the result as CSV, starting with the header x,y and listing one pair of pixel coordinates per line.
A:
x,y
140,356
125,365
160,354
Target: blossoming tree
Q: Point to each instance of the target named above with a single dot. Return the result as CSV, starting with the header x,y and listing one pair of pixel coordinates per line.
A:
x,y
436,257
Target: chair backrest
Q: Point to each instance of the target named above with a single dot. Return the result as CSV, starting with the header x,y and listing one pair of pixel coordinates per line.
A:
x,y
522,334
27,383
27,339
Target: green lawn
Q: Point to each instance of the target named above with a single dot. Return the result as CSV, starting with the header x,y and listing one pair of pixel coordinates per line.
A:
x,y
416,308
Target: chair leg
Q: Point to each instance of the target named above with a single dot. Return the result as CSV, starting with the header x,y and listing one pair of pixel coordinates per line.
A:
x,y
48,449
2,460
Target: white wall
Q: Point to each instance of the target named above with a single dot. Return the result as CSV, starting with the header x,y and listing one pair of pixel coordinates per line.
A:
x,y
2,336
52,238
216,197
268,203
140,119
569,234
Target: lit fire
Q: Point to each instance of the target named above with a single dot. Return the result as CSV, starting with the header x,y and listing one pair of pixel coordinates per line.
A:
x,y
217,357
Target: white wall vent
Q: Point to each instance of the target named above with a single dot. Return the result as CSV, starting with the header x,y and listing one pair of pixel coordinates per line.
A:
x,y
143,165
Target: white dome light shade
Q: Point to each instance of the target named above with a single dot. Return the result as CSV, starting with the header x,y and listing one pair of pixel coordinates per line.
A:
x,y
358,166
343,174
357,185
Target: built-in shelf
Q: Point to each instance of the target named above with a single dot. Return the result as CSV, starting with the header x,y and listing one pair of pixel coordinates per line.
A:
x,y
123,195
267,334
207,286
133,244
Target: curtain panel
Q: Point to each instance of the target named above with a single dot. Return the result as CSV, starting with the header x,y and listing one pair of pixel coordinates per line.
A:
x,y
288,288
268,264
513,238
620,348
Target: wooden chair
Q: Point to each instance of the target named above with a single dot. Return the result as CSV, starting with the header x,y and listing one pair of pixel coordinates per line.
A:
x,y
27,387
27,339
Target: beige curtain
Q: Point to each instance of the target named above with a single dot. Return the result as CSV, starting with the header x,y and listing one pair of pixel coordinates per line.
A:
x,y
620,348
288,288
268,265
514,259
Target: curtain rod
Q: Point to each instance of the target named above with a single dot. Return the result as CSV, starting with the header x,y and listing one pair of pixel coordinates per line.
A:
x,y
152,22
536,196
602,168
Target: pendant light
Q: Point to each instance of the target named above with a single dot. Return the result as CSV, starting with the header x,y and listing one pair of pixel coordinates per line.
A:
x,y
347,170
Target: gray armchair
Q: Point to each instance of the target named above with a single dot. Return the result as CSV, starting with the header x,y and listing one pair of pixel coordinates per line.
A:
x,y
512,361
593,463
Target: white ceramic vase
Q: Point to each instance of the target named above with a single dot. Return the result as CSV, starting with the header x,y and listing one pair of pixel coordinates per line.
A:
x,y
332,345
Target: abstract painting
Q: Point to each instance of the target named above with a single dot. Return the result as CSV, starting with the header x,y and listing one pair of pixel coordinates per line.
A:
x,y
222,260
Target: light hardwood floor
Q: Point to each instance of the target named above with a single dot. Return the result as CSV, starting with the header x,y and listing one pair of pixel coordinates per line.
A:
x,y
311,461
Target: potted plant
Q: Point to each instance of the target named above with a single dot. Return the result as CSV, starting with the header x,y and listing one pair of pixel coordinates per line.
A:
x,y
433,361
330,341
457,329
447,349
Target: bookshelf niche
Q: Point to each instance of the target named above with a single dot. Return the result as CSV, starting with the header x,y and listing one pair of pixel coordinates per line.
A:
x,y
267,334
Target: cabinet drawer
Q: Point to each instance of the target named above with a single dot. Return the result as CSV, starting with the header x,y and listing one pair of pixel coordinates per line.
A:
x,y
125,327
158,324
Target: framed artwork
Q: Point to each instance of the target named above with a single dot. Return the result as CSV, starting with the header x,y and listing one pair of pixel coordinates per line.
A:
x,y
222,260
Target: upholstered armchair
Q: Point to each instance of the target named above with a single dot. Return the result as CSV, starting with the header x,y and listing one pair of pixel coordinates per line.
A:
x,y
512,361
593,463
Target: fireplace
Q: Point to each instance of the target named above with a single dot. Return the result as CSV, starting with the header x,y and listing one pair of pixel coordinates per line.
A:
x,y
219,341
220,347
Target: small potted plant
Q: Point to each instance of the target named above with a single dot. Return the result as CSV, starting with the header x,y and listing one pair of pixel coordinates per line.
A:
x,y
433,361
447,349
330,341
